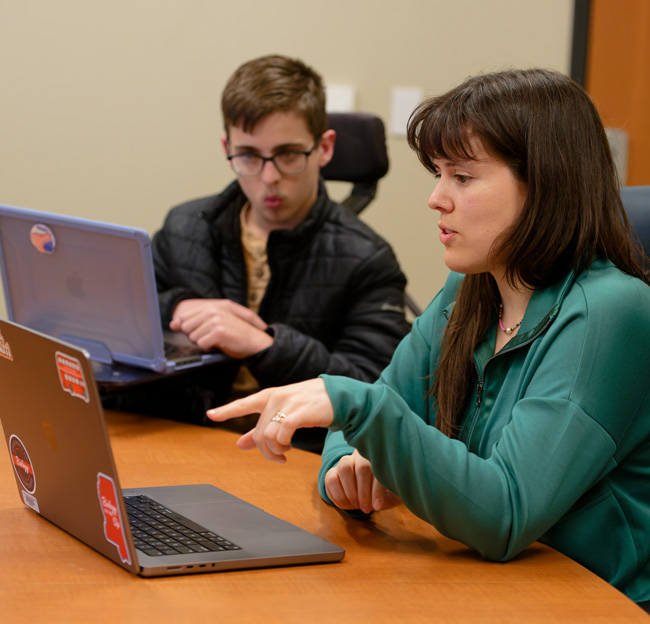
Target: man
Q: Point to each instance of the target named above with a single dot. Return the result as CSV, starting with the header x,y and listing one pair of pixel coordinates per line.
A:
x,y
271,271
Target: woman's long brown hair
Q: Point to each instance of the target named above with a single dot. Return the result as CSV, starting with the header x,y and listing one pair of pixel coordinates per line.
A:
x,y
547,130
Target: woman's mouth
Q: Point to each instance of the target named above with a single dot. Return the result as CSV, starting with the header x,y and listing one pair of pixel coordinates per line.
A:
x,y
446,235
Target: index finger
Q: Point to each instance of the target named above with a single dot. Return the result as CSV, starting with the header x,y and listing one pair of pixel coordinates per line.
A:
x,y
253,404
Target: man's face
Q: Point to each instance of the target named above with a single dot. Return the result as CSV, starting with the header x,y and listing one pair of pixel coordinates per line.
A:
x,y
280,201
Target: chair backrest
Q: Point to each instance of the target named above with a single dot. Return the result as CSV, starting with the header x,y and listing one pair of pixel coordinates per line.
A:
x,y
360,156
636,200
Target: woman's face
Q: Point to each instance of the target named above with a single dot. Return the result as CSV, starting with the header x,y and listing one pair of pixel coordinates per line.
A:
x,y
477,200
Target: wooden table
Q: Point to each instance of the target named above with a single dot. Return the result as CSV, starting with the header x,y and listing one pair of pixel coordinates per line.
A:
x,y
397,568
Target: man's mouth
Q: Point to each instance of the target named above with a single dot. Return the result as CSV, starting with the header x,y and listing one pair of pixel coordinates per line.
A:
x,y
273,202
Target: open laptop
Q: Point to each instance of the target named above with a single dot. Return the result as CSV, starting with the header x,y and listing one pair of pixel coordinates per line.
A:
x,y
54,426
92,284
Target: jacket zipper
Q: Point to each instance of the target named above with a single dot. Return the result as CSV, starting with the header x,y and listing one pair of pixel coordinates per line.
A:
x,y
479,386
477,405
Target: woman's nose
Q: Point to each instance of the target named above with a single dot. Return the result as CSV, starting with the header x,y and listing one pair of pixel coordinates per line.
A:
x,y
438,199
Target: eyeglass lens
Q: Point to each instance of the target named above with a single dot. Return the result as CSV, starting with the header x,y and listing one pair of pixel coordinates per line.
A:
x,y
286,162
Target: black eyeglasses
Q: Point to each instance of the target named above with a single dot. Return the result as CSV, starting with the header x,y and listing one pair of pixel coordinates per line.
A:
x,y
289,162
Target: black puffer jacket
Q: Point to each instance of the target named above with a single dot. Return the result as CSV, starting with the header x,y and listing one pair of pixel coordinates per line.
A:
x,y
334,302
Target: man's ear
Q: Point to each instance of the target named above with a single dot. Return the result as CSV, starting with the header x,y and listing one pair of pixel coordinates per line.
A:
x,y
224,144
327,146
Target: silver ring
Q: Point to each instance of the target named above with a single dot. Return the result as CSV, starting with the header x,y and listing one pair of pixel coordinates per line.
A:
x,y
279,417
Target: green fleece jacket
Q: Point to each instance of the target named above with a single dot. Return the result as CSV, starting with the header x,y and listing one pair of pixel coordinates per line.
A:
x,y
555,445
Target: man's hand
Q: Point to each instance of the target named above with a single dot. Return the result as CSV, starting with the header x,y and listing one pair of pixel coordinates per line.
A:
x,y
221,324
351,484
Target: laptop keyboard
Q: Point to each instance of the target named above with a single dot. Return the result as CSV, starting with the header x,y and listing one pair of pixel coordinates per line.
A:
x,y
175,351
158,530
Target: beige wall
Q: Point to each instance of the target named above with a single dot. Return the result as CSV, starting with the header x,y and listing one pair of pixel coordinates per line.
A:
x,y
110,110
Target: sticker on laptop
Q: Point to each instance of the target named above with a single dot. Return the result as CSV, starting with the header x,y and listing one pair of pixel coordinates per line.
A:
x,y
42,238
5,349
22,463
113,526
31,501
71,376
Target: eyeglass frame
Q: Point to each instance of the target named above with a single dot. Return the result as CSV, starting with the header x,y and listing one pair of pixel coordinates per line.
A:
x,y
265,159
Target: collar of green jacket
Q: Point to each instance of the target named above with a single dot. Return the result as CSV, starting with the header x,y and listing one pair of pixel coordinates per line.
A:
x,y
542,308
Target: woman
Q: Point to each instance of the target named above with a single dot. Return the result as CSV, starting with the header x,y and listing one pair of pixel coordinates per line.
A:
x,y
518,408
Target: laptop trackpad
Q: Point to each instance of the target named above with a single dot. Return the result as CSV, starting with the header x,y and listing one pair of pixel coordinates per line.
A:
x,y
232,518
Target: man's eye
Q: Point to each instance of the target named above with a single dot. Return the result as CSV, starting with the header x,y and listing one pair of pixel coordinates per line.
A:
x,y
248,158
462,178
287,158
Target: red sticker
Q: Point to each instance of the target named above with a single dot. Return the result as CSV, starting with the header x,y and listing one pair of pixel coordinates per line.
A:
x,y
113,527
71,376
22,463
5,349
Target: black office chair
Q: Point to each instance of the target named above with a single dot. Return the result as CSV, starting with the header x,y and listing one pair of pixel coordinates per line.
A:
x,y
360,158
636,200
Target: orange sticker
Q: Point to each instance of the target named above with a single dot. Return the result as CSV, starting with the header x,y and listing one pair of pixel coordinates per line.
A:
x,y
42,238
5,349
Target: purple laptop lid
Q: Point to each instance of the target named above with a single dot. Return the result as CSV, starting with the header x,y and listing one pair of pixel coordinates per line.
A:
x,y
86,282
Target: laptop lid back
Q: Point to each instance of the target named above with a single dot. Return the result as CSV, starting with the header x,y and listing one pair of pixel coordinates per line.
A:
x,y
58,441
86,282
